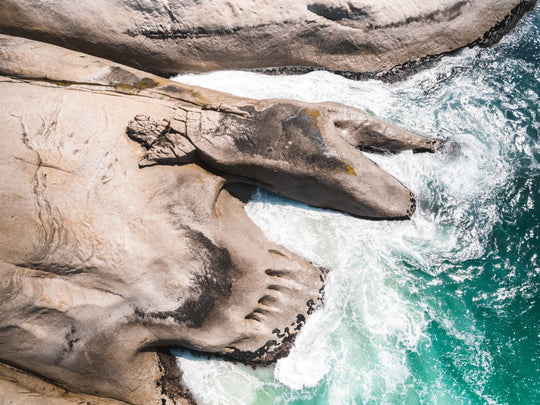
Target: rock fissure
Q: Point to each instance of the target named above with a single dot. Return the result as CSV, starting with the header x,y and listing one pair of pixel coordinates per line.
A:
x,y
177,31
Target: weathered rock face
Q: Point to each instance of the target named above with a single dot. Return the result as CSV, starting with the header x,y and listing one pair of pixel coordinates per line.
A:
x,y
341,35
308,152
119,236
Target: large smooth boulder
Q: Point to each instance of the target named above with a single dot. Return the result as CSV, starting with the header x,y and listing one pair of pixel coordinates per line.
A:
x,y
120,237
308,152
380,38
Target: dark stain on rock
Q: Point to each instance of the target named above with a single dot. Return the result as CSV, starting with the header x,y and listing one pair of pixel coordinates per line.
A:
x,y
146,83
244,192
336,13
300,70
272,350
117,75
280,347
188,95
300,322
178,31
170,383
496,33
412,206
213,283
69,341
171,88
282,132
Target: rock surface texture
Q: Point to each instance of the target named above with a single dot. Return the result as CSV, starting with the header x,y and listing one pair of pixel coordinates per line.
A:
x,y
122,223
171,36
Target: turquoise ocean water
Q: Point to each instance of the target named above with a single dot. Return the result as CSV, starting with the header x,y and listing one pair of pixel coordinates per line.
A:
x,y
441,309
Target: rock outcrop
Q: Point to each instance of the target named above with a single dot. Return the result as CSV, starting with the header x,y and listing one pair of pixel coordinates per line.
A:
x,y
119,235
377,38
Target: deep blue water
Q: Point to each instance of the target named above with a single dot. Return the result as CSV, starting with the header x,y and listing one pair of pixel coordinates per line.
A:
x,y
442,309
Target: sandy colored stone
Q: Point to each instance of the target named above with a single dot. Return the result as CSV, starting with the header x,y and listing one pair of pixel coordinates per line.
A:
x,y
120,237
171,36
308,152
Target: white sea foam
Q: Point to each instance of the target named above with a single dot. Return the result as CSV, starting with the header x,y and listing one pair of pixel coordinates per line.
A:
x,y
223,383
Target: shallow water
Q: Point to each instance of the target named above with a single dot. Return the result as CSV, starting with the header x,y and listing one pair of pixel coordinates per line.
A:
x,y
441,309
